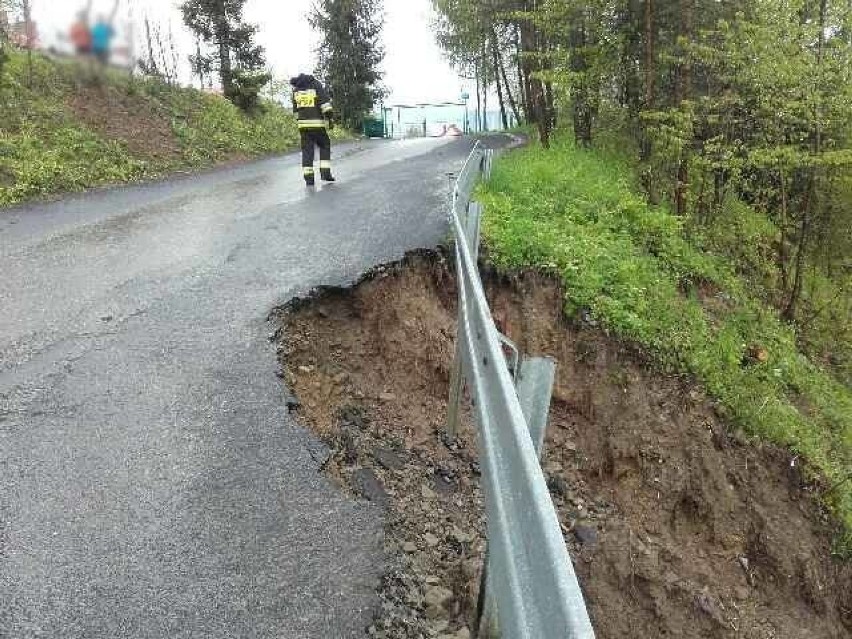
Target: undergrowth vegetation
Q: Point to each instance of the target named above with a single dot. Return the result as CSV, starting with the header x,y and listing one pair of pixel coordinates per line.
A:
x,y
634,267
138,128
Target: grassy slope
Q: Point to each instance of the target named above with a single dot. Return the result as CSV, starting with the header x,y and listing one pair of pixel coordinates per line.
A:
x,y
578,214
46,147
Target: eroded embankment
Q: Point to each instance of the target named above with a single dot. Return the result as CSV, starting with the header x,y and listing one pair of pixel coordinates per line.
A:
x,y
678,527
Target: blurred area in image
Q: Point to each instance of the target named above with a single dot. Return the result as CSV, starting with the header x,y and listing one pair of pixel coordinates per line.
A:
x,y
99,31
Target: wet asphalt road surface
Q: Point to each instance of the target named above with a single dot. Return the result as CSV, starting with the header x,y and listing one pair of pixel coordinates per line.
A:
x,y
152,483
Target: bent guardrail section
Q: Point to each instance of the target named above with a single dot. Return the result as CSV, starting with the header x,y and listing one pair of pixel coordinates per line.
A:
x,y
531,591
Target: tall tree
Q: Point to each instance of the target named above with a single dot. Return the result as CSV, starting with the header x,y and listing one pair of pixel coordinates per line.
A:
x,y
219,24
499,42
731,106
461,31
501,74
496,61
350,54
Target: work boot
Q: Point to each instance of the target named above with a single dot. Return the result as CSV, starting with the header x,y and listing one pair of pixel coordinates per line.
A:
x,y
326,175
309,181
308,173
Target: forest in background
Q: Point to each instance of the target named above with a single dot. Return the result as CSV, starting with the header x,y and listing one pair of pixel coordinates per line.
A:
x,y
712,226
736,115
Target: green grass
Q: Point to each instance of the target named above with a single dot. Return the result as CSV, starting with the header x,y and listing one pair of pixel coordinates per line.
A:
x,y
749,240
42,149
46,149
211,129
578,214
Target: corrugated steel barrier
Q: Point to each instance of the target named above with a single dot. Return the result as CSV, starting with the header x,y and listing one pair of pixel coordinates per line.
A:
x,y
531,591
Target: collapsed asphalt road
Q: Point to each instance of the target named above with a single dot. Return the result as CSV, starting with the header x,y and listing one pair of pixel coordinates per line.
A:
x,y
152,483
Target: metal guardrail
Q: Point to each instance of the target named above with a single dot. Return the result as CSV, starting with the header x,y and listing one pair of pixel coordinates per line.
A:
x,y
530,590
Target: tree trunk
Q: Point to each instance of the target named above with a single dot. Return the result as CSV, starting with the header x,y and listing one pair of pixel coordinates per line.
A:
x,y
812,192
225,69
848,25
537,99
650,70
173,48
581,106
516,65
530,44
161,49
630,61
683,70
501,71
782,241
478,104
529,105
201,75
790,309
683,92
526,72
550,102
701,208
223,38
496,59
650,91
152,63
523,81
823,10
682,186
484,60
512,104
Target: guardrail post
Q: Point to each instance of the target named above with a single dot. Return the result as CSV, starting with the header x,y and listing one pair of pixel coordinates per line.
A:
x,y
488,626
456,387
489,163
474,216
535,389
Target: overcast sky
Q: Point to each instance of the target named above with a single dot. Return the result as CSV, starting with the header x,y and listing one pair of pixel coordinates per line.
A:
x,y
415,70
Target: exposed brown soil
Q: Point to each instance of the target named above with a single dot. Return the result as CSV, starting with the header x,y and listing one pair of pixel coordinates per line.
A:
x,y
699,532
678,527
370,367
130,120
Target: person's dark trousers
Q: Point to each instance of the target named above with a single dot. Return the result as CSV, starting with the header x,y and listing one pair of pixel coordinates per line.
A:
x,y
312,138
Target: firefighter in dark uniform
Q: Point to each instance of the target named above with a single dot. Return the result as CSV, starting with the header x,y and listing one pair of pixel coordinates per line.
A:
x,y
312,105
